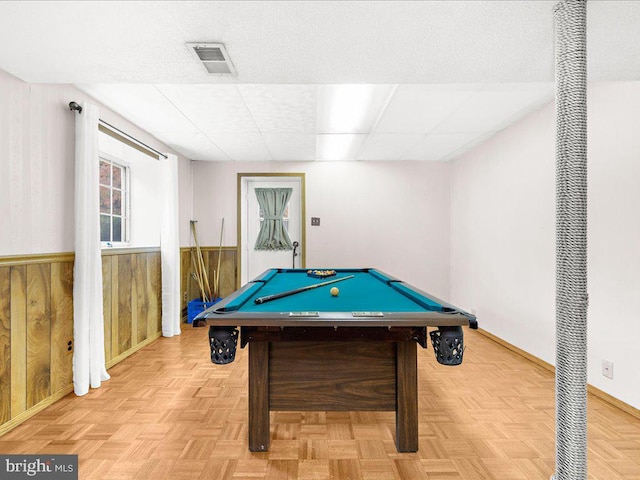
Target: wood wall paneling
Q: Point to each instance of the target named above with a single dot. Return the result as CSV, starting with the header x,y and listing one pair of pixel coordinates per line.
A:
x,y
18,339
124,302
36,323
115,309
38,333
185,277
5,344
133,289
106,306
228,271
141,295
154,289
61,325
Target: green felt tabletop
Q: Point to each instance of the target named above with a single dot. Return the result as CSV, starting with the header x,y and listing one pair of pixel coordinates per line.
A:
x,y
368,290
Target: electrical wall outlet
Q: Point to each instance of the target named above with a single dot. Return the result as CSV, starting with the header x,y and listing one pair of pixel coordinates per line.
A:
x,y
185,296
315,221
69,346
607,369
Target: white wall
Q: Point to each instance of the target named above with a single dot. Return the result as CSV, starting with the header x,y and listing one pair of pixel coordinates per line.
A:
x,y
614,237
503,235
37,166
386,215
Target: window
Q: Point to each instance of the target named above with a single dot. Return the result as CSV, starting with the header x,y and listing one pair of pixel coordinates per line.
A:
x,y
114,202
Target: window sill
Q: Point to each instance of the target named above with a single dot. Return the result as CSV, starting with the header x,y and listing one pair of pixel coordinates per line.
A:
x,y
109,245
124,249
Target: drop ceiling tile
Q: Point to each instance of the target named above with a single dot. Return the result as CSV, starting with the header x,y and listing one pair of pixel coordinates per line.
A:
x,y
291,146
351,108
388,146
242,147
282,108
421,108
195,146
212,108
339,147
495,107
143,105
439,146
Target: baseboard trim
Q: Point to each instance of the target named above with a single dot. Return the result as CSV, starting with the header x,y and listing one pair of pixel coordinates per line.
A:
x,y
605,397
613,401
27,414
133,350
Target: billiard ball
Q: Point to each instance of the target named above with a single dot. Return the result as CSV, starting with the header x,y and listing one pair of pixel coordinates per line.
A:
x,y
334,291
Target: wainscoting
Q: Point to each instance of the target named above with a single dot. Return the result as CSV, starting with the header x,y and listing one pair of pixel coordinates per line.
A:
x,y
228,271
36,323
132,301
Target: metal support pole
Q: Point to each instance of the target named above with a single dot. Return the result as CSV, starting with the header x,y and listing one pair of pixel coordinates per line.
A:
x,y
571,240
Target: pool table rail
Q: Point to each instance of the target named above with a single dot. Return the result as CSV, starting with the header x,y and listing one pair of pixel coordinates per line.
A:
x,y
452,316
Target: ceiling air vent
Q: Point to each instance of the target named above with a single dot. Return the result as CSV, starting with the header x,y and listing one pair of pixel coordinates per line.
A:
x,y
214,57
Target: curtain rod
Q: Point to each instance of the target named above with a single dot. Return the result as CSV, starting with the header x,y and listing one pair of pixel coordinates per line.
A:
x,y
75,106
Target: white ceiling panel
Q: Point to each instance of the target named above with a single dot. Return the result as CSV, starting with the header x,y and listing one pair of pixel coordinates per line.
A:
x,y
302,42
438,146
339,147
388,146
282,108
195,146
242,147
143,105
284,122
211,108
496,106
291,146
351,108
421,108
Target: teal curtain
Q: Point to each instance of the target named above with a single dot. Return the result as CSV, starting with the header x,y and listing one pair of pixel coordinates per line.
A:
x,y
273,235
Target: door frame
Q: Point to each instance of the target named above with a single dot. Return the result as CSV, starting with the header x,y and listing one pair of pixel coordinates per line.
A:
x,y
244,177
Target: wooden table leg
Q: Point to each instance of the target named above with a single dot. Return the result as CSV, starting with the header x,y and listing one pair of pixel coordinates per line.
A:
x,y
407,397
258,396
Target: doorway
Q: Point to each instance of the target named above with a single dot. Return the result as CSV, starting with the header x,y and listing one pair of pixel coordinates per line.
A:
x,y
253,262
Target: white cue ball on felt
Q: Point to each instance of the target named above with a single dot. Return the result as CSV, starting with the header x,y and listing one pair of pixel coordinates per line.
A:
x,y
334,291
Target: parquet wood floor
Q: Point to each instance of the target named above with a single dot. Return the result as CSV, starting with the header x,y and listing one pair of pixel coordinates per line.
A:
x,y
168,413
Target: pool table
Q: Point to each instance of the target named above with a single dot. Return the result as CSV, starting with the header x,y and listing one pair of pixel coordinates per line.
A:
x,y
313,351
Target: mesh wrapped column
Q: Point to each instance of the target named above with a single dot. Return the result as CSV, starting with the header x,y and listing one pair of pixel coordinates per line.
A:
x,y
571,241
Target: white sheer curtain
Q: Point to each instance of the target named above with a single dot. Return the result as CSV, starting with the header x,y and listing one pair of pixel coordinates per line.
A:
x,y
170,248
88,319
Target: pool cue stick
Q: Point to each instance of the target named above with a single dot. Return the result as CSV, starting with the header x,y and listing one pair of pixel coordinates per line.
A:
x,y
275,296
203,268
197,279
195,275
196,266
217,277
202,271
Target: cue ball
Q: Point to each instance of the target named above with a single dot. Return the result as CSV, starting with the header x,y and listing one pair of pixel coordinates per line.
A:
x,y
334,291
